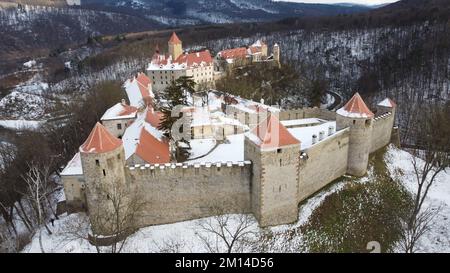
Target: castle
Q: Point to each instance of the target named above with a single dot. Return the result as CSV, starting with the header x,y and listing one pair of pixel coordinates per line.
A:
x,y
201,66
246,156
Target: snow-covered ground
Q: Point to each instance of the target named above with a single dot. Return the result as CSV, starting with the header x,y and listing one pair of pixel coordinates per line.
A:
x,y
183,236
438,239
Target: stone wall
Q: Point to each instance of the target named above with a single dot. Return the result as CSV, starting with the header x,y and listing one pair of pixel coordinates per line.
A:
x,y
279,184
179,192
308,112
381,131
74,190
114,128
323,163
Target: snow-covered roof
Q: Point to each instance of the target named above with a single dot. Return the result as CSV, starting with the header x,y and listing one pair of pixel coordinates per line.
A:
x,y
304,134
230,150
120,111
184,61
387,102
203,116
132,136
301,122
250,106
74,166
138,88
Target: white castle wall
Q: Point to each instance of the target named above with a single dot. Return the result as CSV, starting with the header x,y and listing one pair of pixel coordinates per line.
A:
x,y
179,192
381,131
323,163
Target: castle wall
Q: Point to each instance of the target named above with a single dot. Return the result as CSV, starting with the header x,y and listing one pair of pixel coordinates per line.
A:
x,y
302,113
74,188
179,192
381,131
325,162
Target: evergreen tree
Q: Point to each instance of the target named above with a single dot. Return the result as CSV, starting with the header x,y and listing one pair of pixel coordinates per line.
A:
x,y
175,95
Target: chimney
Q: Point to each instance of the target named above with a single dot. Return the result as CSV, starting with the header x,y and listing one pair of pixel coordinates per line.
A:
x,y
321,135
330,130
314,139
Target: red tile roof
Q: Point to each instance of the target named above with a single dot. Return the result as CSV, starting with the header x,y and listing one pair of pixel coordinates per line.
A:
x,y
195,58
127,110
174,39
356,105
273,134
154,117
100,141
234,53
144,83
151,150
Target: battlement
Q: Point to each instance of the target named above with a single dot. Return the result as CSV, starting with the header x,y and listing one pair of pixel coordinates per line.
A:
x,y
382,117
187,165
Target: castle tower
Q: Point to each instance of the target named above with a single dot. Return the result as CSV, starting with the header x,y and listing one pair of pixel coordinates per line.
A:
x,y
275,155
356,116
103,161
276,54
385,106
175,46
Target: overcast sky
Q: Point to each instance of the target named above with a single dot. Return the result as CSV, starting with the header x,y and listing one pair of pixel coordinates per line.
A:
x,y
365,2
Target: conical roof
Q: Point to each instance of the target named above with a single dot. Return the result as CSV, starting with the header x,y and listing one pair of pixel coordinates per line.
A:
x,y
387,102
100,141
174,39
355,108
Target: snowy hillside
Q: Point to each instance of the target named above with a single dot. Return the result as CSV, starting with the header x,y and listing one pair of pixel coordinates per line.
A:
x,y
184,236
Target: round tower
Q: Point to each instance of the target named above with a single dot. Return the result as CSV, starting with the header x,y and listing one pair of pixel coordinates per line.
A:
x,y
103,162
385,106
276,53
175,47
356,116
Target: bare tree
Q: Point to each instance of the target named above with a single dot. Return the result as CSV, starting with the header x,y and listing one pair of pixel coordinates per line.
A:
x,y
226,232
38,191
430,158
117,216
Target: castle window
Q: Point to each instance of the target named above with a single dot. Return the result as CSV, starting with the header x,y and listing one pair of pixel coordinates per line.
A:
x,y
118,156
97,162
104,172
119,126
279,189
354,121
280,162
279,151
368,122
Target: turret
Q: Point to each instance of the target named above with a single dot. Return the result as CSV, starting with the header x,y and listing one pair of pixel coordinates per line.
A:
x,y
356,116
385,106
275,154
103,162
175,47
276,53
